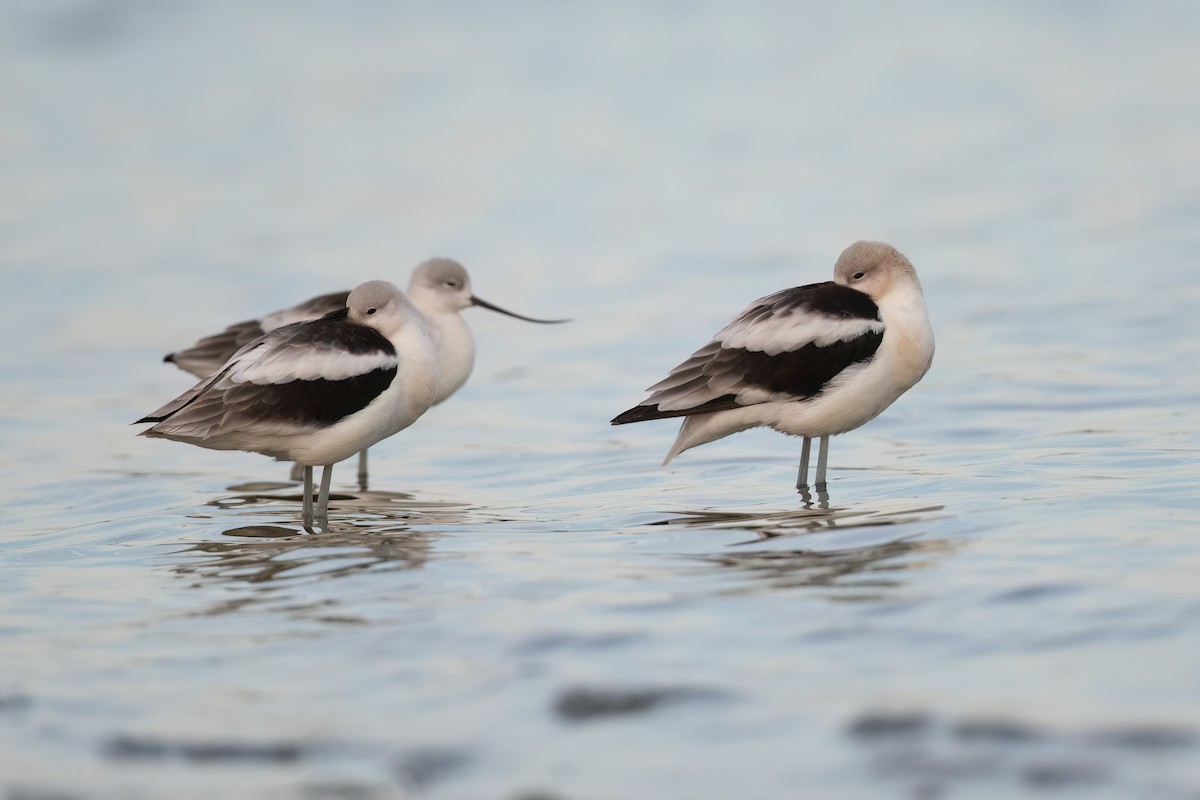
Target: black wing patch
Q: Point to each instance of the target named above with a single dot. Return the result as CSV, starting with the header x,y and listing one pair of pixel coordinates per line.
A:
x,y
827,299
800,373
317,402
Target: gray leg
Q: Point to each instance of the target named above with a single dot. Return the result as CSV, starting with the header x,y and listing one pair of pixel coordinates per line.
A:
x,y
822,463
297,473
802,478
323,500
362,470
308,503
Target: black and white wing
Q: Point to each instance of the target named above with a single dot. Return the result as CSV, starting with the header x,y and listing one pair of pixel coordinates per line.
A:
x,y
315,308
303,375
787,346
209,354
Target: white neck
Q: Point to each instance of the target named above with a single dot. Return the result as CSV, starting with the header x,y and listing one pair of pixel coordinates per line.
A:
x,y
911,337
455,349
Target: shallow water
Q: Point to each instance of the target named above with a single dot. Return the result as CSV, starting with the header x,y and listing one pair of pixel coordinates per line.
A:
x,y
997,598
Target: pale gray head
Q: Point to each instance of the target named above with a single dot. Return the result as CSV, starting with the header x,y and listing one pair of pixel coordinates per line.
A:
x,y
442,285
380,305
875,268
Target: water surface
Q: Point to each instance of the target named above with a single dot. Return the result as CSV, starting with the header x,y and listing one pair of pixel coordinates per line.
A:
x,y
997,598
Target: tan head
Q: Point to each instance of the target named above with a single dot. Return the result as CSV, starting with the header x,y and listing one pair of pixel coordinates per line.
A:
x,y
875,269
380,305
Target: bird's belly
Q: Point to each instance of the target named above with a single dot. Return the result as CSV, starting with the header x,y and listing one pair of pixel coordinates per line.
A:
x,y
853,399
391,412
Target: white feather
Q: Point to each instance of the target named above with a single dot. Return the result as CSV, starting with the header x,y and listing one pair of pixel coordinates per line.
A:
x,y
793,329
264,366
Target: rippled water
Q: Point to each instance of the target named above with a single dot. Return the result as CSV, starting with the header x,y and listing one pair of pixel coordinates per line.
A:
x,y
997,598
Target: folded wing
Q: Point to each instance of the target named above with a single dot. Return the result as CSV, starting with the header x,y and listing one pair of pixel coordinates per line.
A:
x,y
303,375
787,346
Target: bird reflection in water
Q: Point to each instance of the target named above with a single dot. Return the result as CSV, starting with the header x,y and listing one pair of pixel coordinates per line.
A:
x,y
865,573
868,571
356,508
375,531
261,554
772,523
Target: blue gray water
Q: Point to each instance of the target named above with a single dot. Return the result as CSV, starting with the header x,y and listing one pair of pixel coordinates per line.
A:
x,y
999,597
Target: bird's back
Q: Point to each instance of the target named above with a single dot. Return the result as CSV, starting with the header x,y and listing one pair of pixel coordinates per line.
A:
x,y
207,355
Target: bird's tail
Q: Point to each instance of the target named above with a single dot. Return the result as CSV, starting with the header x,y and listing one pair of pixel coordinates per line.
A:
x,y
704,428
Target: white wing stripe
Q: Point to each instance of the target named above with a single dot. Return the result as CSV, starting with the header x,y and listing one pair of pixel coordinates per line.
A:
x,y
784,333
308,364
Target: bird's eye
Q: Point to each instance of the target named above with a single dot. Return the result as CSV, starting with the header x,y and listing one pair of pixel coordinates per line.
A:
x,y
858,276
371,310
452,284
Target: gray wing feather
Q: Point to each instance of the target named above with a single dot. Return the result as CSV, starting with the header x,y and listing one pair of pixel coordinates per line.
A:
x,y
209,354
315,308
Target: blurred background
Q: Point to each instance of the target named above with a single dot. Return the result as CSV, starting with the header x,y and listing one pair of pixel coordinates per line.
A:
x,y
998,598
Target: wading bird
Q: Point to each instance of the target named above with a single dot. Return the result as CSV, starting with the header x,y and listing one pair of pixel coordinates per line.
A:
x,y
314,392
440,288
813,361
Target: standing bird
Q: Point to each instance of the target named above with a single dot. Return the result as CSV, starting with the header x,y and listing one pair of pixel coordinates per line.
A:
x,y
813,361
440,288
314,392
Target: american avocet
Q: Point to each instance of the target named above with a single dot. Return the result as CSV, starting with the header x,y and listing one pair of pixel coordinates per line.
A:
x,y
314,392
440,288
813,361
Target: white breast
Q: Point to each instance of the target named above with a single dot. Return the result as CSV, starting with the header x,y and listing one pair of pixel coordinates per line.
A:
x,y
408,397
455,349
